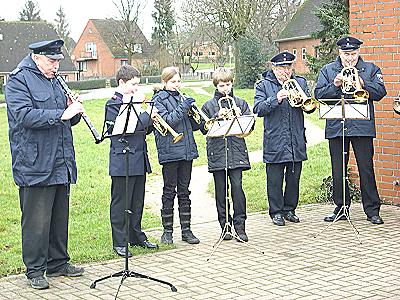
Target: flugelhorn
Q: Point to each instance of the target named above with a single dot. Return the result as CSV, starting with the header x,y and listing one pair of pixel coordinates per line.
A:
x,y
351,84
396,104
161,125
297,97
73,98
233,110
198,114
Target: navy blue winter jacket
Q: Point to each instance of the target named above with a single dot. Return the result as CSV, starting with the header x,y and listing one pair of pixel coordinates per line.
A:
x,y
175,112
284,132
373,83
41,144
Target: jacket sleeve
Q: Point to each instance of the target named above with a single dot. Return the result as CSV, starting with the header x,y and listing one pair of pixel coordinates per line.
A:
x,y
174,117
263,102
20,105
325,87
374,85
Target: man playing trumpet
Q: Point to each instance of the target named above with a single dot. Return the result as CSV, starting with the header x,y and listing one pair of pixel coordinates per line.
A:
x,y
359,133
284,137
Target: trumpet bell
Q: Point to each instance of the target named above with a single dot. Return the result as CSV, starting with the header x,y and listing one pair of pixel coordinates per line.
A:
x,y
360,96
177,137
396,105
309,105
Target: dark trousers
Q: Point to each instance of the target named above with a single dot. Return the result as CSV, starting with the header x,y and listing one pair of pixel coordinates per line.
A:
x,y
44,223
176,176
279,201
363,149
136,191
237,196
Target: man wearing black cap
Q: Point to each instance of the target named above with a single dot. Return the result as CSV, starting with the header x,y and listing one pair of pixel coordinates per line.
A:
x,y
43,160
284,138
359,133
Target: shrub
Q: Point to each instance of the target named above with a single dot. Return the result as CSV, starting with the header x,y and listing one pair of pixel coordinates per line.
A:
x,y
325,193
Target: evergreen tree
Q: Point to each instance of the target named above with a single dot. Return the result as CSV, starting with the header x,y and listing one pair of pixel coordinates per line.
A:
x,y
30,12
334,17
164,22
62,28
250,52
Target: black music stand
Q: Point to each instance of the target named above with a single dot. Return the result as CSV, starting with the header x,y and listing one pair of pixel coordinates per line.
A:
x,y
123,124
343,109
240,126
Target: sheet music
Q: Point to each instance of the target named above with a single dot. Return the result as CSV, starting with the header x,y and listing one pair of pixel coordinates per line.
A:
x,y
120,121
332,109
237,126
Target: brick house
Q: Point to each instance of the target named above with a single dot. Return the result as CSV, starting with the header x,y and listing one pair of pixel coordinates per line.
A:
x,y
98,52
377,24
15,37
296,36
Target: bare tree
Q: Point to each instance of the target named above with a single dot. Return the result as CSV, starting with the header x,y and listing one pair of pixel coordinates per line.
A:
x,y
127,30
30,12
62,28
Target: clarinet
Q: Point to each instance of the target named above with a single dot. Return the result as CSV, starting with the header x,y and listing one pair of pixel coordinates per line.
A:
x,y
85,117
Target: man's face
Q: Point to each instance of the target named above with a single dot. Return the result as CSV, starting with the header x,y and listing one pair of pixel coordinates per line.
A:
x,y
283,73
130,86
349,58
46,65
224,87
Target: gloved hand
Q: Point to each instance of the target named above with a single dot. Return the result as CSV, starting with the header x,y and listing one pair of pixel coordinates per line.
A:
x,y
188,101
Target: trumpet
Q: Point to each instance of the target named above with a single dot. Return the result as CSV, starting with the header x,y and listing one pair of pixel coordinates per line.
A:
x,y
233,110
198,114
298,98
396,104
161,126
351,84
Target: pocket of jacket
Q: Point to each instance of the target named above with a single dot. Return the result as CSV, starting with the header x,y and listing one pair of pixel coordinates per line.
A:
x,y
41,96
31,153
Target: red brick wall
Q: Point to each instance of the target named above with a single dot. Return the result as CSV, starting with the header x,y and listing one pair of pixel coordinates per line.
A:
x,y
308,44
377,23
104,65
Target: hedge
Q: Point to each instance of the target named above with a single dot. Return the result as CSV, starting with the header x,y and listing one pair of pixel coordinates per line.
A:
x,y
103,83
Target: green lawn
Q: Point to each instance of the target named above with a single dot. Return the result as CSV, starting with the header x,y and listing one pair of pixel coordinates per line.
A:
x,y
2,98
204,66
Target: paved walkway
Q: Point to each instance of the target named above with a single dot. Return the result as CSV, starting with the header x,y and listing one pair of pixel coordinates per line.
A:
x,y
295,265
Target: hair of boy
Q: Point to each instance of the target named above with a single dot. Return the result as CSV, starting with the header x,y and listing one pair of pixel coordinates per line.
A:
x,y
222,74
168,73
127,72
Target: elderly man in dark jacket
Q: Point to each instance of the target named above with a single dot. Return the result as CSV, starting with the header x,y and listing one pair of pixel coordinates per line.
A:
x,y
284,138
238,158
359,133
43,160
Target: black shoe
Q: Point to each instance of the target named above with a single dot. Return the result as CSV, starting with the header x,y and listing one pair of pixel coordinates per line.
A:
x,y
291,217
121,251
67,270
331,217
278,220
146,244
227,236
188,236
39,282
375,220
166,238
242,235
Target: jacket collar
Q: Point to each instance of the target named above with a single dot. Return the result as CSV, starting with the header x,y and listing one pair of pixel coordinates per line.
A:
x,y
28,63
218,95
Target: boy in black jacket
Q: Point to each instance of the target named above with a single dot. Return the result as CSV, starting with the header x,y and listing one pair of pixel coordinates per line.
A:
x,y
238,159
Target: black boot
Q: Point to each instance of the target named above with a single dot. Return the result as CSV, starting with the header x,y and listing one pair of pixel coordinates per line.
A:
x,y
187,234
167,217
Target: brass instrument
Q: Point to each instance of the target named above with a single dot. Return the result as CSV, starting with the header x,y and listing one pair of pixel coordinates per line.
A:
x,y
396,104
298,98
233,110
198,114
161,126
351,85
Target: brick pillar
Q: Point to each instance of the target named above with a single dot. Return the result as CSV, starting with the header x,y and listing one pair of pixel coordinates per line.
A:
x,y
377,23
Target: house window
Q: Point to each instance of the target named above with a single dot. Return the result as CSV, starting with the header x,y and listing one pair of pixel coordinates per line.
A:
x,y
90,30
91,47
303,53
1,36
137,48
200,53
82,65
124,62
295,52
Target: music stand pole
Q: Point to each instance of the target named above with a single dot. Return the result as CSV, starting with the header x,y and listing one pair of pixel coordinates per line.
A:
x,y
126,272
344,210
228,227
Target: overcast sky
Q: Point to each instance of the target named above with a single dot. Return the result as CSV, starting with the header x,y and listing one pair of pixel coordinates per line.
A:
x,y
78,12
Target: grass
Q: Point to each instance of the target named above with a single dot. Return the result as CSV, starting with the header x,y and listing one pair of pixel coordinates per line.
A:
x,y
205,66
2,98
